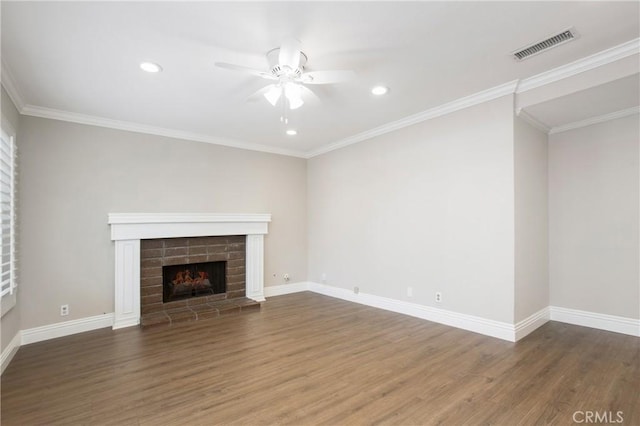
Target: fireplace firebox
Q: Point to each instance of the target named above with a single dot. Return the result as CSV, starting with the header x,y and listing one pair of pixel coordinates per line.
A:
x,y
193,280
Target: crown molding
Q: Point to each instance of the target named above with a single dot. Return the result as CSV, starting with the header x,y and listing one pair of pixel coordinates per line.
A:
x,y
55,114
595,120
8,82
525,116
444,109
596,60
604,57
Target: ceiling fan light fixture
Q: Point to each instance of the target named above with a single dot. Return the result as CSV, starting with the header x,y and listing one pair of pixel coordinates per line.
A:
x,y
286,67
273,94
293,93
295,103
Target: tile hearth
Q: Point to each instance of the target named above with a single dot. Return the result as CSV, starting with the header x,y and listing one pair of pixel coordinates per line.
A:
x,y
200,311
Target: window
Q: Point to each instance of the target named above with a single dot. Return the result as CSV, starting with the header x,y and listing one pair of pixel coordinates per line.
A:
x,y
7,219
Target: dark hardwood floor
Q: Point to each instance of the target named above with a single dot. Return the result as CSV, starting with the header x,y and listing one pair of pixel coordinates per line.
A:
x,y
307,359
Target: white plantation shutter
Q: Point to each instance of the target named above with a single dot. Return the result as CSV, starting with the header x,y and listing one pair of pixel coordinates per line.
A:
x,y
7,214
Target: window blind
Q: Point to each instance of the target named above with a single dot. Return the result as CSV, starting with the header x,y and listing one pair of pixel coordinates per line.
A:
x,y
7,214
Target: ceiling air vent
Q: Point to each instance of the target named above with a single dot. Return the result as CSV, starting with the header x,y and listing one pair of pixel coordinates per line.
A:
x,y
546,44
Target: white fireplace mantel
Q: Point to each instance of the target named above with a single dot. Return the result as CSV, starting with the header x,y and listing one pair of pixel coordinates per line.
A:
x,y
127,229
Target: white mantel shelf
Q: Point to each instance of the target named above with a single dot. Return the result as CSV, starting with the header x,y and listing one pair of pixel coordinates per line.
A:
x,y
170,225
127,229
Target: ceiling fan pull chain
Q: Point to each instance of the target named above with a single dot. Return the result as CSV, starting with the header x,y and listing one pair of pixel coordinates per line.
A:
x,y
283,117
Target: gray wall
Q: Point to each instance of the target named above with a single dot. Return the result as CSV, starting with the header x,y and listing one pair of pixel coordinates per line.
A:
x,y
531,224
429,206
593,218
74,175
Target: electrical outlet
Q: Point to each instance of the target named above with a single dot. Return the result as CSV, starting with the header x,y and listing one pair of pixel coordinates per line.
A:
x,y
64,310
286,277
356,290
438,297
409,291
324,278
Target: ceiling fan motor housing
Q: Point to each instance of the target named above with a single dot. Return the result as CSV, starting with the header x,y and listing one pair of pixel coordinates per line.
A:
x,y
278,71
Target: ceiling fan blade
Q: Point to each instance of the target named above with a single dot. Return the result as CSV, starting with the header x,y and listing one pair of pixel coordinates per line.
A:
x,y
309,95
289,53
247,70
327,77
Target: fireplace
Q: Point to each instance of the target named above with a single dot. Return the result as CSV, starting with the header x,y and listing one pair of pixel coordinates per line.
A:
x,y
189,277
193,280
132,231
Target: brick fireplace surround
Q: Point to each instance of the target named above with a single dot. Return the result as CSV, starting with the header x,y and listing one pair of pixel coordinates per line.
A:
x,y
156,253
185,238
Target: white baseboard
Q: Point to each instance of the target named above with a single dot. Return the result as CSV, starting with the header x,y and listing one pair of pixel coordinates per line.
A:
x,y
10,351
279,290
480,325
501,330
613,323
531,323
125,321
61,329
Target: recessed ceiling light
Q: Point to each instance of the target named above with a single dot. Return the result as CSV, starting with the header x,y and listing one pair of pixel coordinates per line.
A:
x,y
150,67
379,90
291,132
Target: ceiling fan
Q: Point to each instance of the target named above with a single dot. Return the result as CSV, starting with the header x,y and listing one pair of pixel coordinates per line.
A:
x,y
286,69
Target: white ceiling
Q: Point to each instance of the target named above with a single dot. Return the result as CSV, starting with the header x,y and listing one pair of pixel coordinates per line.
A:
x,y
83,57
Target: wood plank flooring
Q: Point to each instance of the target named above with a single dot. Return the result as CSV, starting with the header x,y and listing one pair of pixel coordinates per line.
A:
x,y
307,359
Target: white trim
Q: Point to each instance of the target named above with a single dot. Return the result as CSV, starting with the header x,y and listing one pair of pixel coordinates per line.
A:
x,y
254,267
186,217
8,301
92,120
8,82
596,60
595,120
9,352
531,323
127,284
10,154
444,109
606,322
61,329
501,330
525,116
279,290
129,226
